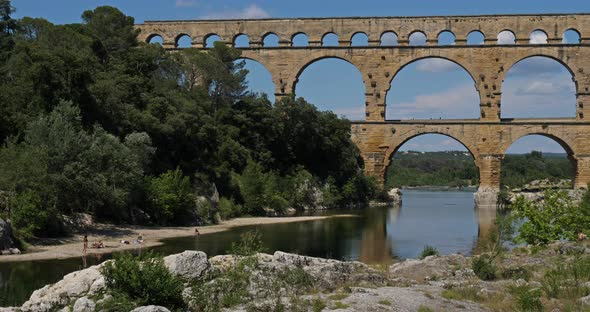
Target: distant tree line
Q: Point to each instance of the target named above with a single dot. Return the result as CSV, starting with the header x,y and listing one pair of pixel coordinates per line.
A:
x,y
457,169
93,121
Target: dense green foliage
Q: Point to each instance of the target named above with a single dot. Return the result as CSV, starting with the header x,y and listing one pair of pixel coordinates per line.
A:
x,y
457,169
93,121
555,218
139,281
432,169
483,266
518,170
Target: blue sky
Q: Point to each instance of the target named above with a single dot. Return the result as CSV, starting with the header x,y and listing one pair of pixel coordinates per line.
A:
x,y
536,85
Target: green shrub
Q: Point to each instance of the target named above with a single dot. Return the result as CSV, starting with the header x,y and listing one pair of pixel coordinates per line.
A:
x,y
250,243
119,302
228,209
484,267
428,251
527,299
556,218
171,197
28,216
144,280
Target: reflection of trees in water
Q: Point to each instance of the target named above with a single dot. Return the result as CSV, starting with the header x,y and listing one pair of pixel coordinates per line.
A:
x,y
375,247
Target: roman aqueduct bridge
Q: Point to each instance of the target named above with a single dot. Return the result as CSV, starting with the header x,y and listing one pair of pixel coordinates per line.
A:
x,y
487,138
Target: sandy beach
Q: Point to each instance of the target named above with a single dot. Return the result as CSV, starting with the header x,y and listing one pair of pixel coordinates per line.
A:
x,y
111,236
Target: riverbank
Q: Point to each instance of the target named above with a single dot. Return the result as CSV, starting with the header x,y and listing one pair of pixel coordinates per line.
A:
x,y
112,235
555,277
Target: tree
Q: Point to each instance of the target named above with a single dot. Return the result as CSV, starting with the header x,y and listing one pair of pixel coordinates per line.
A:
x,y
555,218
114,31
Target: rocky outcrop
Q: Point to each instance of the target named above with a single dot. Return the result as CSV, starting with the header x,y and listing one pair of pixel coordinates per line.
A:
x,y
84,283
6,238
431,268
395,195
84,305
349,285
539,196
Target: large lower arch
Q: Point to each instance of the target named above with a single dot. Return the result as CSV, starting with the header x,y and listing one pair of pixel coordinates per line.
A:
x,y
438,142
332,83
539,86
537,156
432,88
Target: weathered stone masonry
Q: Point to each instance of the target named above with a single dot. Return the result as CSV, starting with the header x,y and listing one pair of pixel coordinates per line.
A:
x,y
487,138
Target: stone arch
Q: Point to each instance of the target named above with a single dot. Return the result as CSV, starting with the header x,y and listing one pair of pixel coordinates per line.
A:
x,y
506,36
181,41
417,38
538,36
475,37
151,37
210,39
440,68
472,149
330,39
530,93
241,41
359,39
572,36
446,36
300,36
270,39
388,38
349,100
565,144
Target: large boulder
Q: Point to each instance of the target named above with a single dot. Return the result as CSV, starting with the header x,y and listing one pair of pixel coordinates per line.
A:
x,y
84,305
6,239
87,282
189,264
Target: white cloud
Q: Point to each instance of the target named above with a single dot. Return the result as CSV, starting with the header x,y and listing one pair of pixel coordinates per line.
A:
x,y
435,65
524,97
185,3
538,37
251,12
540,87
459,102
506,37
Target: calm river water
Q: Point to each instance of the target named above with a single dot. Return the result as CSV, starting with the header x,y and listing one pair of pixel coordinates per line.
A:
x,y
445,220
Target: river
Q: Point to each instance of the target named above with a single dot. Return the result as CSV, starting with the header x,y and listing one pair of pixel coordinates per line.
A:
x,y
445,220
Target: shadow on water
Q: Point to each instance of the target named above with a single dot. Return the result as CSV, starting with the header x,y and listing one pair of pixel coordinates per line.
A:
x,y
445,220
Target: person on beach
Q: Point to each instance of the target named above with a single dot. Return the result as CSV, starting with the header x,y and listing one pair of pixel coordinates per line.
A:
x,y
139,239
197,232
85,244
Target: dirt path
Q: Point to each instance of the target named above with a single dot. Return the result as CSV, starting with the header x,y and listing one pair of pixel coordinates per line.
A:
x,y
111,236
